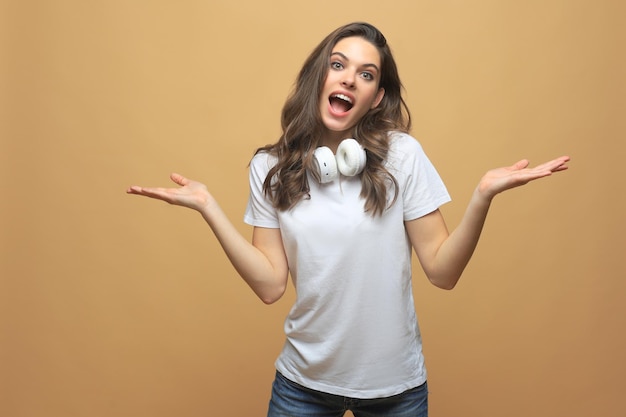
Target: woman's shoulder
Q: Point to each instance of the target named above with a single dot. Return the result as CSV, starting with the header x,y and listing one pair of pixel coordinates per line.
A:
x,y
263,159
403,143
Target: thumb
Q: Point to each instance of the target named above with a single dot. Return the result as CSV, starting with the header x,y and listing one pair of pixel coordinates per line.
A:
x,y
520,164
179,179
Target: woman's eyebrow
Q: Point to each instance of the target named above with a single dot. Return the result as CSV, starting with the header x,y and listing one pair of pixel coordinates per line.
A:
x,y
348,59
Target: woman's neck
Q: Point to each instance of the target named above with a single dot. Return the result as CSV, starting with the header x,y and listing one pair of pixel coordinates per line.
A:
x,y
333,139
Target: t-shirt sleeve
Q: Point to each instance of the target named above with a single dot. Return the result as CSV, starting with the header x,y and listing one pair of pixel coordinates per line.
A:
x,y
260,211
422,188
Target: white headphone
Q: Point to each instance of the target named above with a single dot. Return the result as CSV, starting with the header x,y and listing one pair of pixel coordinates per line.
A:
x,y
350,160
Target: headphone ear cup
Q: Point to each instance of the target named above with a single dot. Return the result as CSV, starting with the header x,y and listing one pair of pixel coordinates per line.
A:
x,y
325,164
350,157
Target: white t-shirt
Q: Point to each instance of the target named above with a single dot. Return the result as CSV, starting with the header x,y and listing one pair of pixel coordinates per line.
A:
x,y
353,329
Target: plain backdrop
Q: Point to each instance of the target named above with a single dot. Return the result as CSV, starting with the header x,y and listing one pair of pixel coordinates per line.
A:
x,y
116,305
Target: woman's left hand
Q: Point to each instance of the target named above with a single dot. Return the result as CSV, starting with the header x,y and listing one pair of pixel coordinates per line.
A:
x,y
501,179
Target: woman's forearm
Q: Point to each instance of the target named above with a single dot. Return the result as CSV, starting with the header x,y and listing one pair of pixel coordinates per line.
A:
x,y
457,249
263,268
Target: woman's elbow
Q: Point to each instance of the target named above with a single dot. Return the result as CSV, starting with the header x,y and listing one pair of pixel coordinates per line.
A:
x,y
270,297
445,283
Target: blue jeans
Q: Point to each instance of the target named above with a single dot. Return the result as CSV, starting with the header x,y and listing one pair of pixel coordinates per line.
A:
x,y
293,400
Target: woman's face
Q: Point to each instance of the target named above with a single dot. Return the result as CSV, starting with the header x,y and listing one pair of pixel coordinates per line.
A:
x,y
351,88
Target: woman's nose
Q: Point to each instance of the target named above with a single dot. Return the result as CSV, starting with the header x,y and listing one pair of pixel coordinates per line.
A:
x,y
348,80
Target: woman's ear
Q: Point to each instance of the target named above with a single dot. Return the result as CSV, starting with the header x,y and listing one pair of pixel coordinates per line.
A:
x,y
379,98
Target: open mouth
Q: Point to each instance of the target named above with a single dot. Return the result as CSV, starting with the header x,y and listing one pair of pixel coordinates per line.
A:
x,y
340,103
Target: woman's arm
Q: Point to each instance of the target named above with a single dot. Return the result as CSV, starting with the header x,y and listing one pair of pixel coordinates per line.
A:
x,y
445,255
262,263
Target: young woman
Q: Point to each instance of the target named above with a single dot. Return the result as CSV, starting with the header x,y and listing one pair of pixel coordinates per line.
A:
x,y
346,237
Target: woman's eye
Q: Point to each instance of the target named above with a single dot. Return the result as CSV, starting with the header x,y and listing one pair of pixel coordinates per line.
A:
x,y
367,75
336,65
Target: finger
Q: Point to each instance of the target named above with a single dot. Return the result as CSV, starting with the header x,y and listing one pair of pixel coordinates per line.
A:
x,y
559,167
546,169
562,163
134,189
179,179
519,165
557,164
157,193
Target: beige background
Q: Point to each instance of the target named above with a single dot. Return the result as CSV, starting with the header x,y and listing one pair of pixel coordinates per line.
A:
x,y
113,305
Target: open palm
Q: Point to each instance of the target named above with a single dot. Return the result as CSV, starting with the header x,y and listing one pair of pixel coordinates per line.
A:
x,y
191,194
501,179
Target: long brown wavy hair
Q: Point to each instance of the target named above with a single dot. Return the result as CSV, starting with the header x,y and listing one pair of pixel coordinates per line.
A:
x,y
302,128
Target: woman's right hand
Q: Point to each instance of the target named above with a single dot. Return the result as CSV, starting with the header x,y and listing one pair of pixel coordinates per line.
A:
x,y
191,194
262,263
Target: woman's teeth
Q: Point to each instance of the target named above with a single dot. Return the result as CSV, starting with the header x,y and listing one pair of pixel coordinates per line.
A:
x,y
342,97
